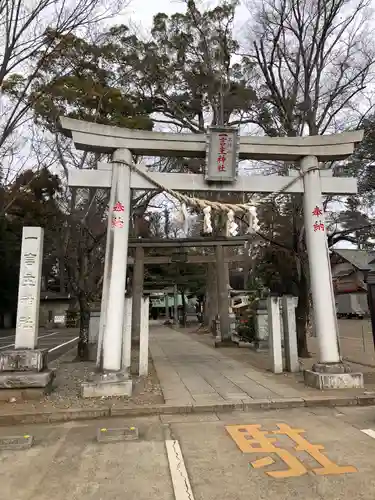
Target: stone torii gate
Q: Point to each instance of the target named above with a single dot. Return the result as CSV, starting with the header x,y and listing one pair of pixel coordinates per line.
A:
x,y
122,175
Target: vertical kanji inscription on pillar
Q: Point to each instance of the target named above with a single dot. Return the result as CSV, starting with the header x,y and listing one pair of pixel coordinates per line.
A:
x,y
29,288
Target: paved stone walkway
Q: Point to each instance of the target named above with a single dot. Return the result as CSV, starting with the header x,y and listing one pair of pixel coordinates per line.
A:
x,y
190,371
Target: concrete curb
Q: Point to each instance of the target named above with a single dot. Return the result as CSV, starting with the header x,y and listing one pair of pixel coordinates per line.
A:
x,y
165,409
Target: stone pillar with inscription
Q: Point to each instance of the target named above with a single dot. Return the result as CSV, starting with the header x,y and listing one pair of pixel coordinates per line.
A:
x,y
23,370
29,288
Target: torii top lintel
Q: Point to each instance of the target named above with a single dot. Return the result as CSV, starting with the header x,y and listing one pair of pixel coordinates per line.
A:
x,y
106,139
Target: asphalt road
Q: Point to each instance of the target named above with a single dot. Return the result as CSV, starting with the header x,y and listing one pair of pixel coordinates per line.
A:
x,y
307,453
56,341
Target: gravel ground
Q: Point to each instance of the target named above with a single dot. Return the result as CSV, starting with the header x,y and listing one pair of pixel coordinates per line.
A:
x,y
69,376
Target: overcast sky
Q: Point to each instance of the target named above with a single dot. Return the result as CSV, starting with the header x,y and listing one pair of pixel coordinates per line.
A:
x,y
141,12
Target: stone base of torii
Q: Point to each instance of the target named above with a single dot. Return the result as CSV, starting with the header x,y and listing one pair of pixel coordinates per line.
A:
x,y
121,176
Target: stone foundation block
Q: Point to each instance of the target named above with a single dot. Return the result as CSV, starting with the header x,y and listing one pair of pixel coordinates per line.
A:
x,y
107,385
334,368
24,380
92,348
19,360
326,381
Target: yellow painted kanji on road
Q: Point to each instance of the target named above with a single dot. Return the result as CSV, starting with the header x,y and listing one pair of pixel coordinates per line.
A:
x,y
251,439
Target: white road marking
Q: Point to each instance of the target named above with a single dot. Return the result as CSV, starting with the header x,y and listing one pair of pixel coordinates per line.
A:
x,y
180,478
42,337
369,432
5,346
61,345
49,335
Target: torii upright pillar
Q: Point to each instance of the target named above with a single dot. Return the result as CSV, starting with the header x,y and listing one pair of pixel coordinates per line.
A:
x,y
137,292
116,381
223,299
330,372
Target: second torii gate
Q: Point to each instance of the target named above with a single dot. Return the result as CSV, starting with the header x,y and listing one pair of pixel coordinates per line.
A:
x,y
219,258
219,148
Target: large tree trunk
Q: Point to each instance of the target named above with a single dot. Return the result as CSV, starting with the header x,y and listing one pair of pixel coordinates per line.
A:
x,y
302,315
84,321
